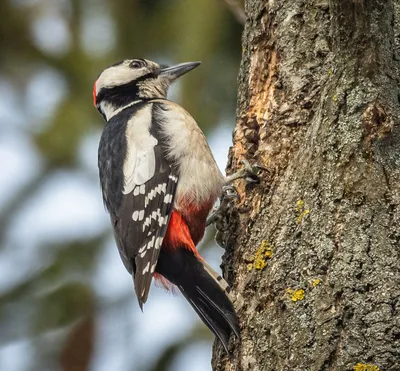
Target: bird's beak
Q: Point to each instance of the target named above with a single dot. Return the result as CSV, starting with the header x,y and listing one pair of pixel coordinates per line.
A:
x,y
178,70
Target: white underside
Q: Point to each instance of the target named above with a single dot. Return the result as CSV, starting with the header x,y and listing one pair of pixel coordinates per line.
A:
x,y
200,179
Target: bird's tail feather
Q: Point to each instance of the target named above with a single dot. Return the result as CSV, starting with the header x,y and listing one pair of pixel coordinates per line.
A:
x,y
202,289
221,282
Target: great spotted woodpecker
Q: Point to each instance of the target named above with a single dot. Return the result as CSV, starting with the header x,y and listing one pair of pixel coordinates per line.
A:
x,y
159,182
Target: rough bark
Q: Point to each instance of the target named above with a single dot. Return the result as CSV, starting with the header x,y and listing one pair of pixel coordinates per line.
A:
x,y
312,252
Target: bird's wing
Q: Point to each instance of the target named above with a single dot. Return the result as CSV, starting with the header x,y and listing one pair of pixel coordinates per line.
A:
x,y
150,182
144,217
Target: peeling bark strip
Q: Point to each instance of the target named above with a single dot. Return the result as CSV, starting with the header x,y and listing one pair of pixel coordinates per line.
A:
x,y
313,251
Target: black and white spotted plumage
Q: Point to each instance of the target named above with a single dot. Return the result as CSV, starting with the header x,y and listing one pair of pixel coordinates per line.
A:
x,y
149,210
139,203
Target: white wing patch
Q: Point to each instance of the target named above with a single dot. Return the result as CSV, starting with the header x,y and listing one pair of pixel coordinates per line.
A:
x,y
153,243
146,268
160,188
140,161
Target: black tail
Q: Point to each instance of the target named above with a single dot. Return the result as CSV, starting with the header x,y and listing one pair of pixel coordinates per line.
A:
x,y
201,290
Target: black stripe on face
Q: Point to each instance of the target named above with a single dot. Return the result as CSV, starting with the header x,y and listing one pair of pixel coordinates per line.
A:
x,y
123,94
120,95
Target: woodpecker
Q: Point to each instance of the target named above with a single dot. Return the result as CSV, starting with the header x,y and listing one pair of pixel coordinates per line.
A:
x,y
159,182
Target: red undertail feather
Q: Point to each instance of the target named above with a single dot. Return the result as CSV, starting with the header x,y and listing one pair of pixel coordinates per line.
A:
x,y
180,263
178,234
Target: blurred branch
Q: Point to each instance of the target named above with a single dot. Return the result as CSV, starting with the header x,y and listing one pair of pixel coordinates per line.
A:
x,y
236,8
78,349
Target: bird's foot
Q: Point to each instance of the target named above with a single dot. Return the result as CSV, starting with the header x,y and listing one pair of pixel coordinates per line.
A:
x,y
218,214
250,173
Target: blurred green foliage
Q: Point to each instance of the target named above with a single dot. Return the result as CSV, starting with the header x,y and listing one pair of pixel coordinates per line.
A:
x,y
74,41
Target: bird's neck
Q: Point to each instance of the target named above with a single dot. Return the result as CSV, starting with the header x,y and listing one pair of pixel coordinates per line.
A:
x,y
109,110
113,100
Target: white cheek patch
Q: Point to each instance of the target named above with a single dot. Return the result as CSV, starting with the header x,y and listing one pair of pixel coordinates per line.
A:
x,y
117,75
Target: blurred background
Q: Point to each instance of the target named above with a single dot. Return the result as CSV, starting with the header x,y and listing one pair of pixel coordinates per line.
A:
x,y
66,301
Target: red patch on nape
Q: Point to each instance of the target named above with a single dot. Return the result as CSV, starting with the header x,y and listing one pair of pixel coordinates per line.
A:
x,y
94,94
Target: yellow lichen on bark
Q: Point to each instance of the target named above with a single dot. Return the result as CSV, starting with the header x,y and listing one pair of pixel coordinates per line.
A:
x,y
296,295
262,254
365,367
302,211
316,282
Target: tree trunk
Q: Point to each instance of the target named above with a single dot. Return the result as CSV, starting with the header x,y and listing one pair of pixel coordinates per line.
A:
x,y
312,252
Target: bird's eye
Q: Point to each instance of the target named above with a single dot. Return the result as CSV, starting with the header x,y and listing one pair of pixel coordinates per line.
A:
x,y
136,64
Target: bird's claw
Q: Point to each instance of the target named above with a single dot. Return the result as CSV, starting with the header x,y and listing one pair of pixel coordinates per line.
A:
x,y
252,171
229,192
249,172
217,216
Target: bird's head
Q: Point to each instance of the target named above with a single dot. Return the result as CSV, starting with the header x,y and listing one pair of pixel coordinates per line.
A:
x,y
134,79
